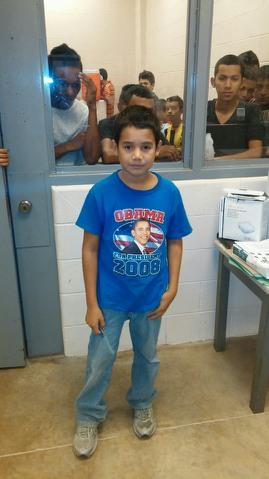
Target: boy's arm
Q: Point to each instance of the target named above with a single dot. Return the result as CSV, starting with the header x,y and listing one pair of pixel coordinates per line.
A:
x,y
94,316
254,151
174,253
72,145
92,146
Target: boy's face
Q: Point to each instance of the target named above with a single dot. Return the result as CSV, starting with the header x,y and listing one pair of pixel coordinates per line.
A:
x,y
246,92
227,82
137,150
173,112
141,232
65,87
262,91
146,83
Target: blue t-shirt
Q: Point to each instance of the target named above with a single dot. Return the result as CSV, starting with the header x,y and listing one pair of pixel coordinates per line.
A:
x,y
133,276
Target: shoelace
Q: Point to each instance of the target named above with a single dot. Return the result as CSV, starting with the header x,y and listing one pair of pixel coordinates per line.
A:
x,y
86,431
144,413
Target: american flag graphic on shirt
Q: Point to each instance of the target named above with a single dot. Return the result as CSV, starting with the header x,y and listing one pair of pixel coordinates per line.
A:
x,y
123,237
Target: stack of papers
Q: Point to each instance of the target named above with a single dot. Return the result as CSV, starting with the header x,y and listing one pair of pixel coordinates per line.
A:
x,y
254,253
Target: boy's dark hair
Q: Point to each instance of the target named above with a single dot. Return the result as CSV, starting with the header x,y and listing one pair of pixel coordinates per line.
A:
x,y
147,75
137,90
103,73
250,73
139,117
160,104
229,60
64,56
177,99
249,58
122,97
263,73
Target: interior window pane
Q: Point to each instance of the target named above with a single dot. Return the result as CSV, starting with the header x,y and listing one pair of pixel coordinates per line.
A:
x,y
238,106
124,39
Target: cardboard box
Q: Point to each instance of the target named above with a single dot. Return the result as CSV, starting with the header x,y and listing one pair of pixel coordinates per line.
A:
x,y
244,215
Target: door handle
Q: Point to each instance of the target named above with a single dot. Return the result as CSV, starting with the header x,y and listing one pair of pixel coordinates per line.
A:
x,y
25,206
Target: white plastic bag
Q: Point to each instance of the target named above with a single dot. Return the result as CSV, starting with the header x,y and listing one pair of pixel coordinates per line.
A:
x,y
209,148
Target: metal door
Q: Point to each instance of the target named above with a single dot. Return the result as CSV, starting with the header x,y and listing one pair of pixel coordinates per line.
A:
x,y
23,100
11,333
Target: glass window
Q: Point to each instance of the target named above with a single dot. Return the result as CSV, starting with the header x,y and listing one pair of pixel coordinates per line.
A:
x,y
114,43
238,106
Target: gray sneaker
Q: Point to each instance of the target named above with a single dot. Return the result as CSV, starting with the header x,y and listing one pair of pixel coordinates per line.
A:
x,y
85,440
144,423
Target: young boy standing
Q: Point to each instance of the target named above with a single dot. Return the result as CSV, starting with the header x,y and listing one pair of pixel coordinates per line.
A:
x,y
121,286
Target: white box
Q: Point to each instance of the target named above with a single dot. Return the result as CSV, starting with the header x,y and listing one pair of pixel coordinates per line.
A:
x,y
244,216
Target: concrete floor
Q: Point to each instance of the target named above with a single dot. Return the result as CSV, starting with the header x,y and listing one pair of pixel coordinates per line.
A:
x,y
206,429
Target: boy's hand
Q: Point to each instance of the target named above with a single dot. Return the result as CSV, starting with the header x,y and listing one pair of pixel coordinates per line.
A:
x,y
95,319
4,157
165,302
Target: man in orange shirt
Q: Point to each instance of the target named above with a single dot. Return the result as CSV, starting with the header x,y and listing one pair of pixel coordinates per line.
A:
x,y
107,92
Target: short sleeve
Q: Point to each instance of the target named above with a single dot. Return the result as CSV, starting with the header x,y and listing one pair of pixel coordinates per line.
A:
x,y
90,218
106,129
179,225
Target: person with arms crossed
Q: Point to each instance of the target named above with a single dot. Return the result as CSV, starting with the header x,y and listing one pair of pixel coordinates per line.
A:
x,y
120,286
235,126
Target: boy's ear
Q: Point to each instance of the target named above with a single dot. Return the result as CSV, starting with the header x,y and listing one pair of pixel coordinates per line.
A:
x,y
212,81
158,148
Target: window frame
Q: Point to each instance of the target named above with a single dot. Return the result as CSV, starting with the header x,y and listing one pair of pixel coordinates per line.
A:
x,y
196,87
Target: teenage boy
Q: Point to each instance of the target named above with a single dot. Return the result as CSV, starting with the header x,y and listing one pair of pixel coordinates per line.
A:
x,y
75,130
134,287
140,96
247,89
262,88
174,111
235,126
262,99
161,114
147,79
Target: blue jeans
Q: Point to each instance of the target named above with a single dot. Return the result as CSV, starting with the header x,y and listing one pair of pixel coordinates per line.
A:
x,y
90,405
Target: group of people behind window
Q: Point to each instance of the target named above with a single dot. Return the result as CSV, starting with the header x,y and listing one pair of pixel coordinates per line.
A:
x,y
77,137
237,120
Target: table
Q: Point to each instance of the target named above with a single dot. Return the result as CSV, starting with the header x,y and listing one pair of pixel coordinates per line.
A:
x,y
261,371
